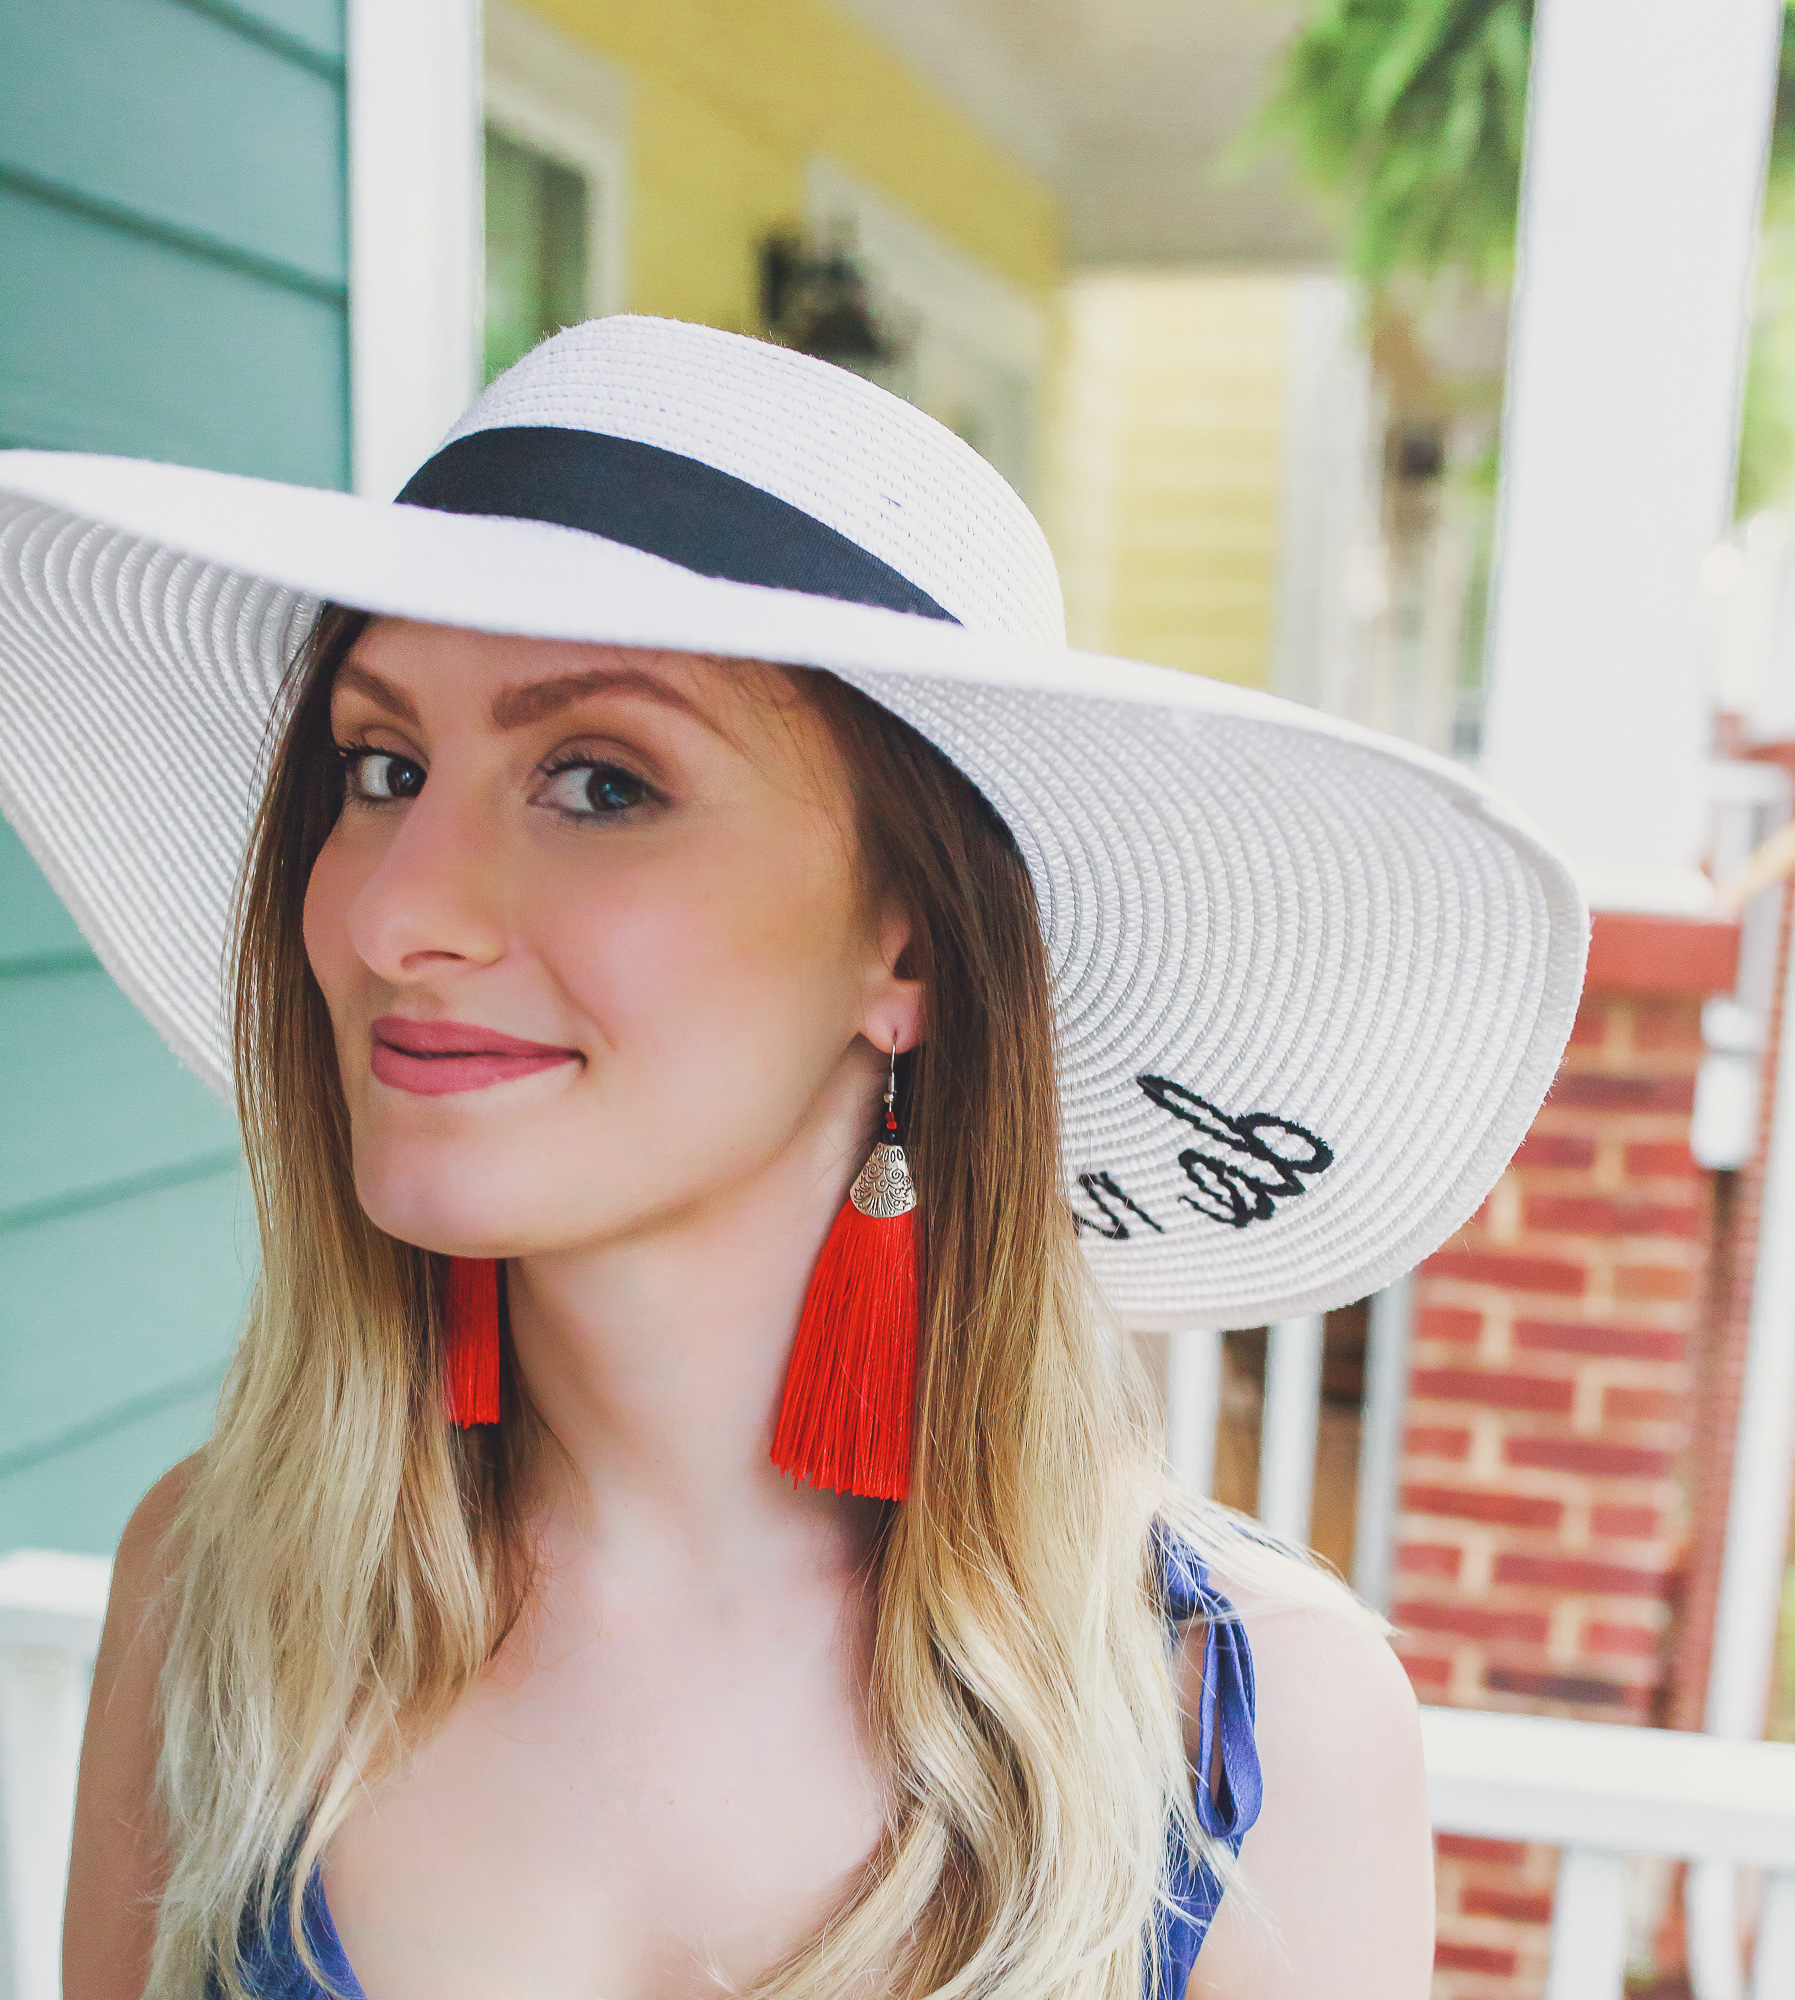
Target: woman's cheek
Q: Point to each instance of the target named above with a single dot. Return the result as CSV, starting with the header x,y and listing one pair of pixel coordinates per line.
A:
x,y
326,906
643,960
670,937
680,940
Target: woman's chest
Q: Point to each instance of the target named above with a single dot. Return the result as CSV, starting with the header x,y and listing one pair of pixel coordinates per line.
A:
x,y
635,1817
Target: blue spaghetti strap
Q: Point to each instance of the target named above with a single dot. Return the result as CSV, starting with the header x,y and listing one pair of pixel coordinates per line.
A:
x,y
1229,1787
273,1969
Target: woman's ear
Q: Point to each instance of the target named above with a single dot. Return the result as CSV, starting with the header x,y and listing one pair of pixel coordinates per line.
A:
x,y
893,1013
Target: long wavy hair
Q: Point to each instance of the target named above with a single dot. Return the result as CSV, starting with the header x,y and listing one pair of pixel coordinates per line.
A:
x,y
345,1563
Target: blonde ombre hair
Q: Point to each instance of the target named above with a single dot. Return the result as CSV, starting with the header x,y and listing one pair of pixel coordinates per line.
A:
x,y
346,1563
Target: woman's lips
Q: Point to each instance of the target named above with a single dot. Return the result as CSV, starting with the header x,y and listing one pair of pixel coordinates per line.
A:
x,y
437,1058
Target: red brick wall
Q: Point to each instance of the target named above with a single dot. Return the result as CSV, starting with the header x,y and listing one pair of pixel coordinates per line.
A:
x,y
1498,1894
1543,1506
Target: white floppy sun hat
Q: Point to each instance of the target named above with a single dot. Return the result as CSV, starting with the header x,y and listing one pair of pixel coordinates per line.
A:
x,y
1311,984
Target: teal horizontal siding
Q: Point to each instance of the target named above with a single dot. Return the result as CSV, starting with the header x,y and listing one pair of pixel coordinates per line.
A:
x,y
93,1098
93,1101
33,923
112,1420
160,110
115,342
310,31
94,1197
77,1493
209,249
173,202
126,1236
96,1310
47,963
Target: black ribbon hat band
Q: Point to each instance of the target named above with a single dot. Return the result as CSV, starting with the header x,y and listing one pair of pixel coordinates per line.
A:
x,y
663,503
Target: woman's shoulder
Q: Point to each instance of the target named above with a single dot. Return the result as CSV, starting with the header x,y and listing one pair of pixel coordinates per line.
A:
x,y
1296,1613
135,1631
1322,1670
146,1532
142,1563
134,1638
1342,1839
1328,1692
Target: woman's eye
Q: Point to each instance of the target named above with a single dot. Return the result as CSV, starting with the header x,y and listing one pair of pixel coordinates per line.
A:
x,y
381,775
596,791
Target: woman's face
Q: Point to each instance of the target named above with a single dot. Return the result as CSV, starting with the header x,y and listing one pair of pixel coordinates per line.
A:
x,y
592,938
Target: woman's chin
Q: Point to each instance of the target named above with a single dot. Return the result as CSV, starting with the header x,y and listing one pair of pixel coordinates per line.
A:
x,y
469,1216
531,1199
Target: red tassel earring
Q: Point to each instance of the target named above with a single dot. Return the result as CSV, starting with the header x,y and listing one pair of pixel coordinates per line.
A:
x,y
471,1341
845,1418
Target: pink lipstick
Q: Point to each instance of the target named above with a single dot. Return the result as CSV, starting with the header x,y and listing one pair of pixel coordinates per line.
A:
x,y
438,1058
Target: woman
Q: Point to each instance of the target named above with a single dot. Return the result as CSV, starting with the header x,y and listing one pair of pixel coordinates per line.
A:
x,y
650,1545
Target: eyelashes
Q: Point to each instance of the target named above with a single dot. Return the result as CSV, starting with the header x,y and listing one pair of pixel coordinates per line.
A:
x,y
596,788
575,788
379,777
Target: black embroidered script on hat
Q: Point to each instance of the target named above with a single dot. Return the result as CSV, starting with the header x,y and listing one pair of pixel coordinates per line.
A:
x,y
1262,1161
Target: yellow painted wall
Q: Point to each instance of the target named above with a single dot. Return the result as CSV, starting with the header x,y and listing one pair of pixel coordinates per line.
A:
x,y
1166,473
730,98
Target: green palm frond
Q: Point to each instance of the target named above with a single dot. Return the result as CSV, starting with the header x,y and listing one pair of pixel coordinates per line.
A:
x,y
1407,115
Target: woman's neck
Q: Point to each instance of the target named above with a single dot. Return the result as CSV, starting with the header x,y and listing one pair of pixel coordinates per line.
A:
x,y
657,1362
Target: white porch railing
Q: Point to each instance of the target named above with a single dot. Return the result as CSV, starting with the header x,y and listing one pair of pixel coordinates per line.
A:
x,y
1600,1793
1597,1792
1289,1424
50,1611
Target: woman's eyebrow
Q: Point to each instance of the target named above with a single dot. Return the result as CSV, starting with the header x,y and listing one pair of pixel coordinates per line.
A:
x,y
516,707
365,681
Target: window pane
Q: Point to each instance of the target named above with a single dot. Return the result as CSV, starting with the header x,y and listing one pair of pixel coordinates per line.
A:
x,y
564,275
536,279
513,252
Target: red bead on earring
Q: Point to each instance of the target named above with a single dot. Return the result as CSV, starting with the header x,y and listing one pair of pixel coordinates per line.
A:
x,y
471,1341
846,1416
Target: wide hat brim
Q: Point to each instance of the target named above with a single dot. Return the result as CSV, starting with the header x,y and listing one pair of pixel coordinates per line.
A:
x,y
1311,984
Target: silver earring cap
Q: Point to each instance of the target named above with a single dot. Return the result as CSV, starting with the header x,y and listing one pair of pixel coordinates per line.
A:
x,y
883,1187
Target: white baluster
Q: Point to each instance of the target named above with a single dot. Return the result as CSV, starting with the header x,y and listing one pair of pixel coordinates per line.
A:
x,y
1711,1913
1380,1440
50,1609
1589,1927
1287,1431
1193,1406
1773,1964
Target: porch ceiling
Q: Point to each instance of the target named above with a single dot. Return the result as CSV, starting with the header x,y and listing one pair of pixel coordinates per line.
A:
x,y
1129,110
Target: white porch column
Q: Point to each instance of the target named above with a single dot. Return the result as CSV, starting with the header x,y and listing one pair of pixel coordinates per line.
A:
x,y
1287,1429
1647,126
415,231
1193,1406
1384,1406
1757,1522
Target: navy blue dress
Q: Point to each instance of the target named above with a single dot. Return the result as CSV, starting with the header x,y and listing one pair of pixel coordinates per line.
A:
x,y
1227,1802
1228,1797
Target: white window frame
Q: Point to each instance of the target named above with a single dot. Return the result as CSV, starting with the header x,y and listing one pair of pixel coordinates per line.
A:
x,y
414,231
557,97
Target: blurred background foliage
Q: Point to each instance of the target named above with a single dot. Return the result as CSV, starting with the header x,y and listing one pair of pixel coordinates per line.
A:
x,y
1406,118
1767,444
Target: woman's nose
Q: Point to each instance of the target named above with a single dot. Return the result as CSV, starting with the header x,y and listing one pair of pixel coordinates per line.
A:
x,y
435,898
